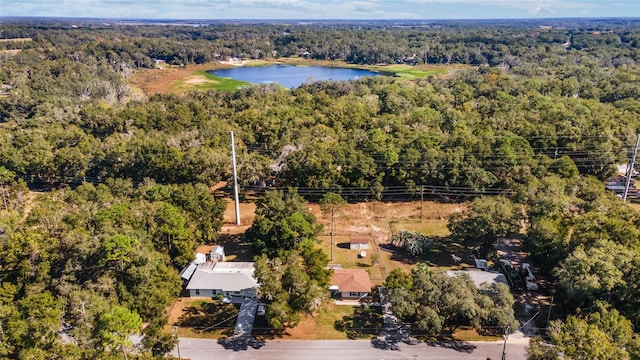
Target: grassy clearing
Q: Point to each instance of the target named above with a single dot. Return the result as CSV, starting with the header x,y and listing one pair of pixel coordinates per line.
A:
x,y
430,228
193,315
203,81
411,72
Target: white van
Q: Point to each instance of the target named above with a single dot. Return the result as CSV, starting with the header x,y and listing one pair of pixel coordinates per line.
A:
x,y
530,281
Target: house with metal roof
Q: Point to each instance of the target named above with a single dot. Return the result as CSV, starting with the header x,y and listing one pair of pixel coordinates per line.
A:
x,y
229,279
359,242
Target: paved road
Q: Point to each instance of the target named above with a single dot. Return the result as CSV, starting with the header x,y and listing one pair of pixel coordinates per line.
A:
x,y
204,349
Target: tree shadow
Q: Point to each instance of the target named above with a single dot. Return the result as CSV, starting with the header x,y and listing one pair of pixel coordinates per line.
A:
x,y
207,314
457,345
236,245
385,344
393,333
241,343
365,322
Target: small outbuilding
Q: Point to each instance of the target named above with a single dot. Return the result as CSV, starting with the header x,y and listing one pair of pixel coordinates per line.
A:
x,y
217,253
359,242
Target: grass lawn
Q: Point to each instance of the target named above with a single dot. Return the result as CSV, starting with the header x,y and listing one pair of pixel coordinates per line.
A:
x,y
194,316
339,322
428,227
471,334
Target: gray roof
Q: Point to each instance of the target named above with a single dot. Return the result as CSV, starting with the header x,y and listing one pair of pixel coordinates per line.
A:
x,y
226,276
188,271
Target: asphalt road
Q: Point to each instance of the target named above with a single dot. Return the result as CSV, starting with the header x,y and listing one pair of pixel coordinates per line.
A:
x,y
205,349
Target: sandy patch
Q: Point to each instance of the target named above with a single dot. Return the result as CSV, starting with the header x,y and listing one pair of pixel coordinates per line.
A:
x,y
195,80
10,52
234,62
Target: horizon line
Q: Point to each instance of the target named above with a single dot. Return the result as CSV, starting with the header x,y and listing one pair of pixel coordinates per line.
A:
x,y
319,20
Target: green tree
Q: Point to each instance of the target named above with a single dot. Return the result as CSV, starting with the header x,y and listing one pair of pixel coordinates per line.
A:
x,y
173,235
485,221
398,278
538,349
118,249
594,273
293,283
115,328
282,223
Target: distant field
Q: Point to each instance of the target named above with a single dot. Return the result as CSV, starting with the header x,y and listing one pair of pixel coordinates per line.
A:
x,y
418,71
16,40
202,80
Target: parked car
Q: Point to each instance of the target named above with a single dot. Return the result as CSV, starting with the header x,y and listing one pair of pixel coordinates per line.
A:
x,y
513,277
527,276
262,308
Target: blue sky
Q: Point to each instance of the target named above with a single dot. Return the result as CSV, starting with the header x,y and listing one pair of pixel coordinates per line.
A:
x,y
317,9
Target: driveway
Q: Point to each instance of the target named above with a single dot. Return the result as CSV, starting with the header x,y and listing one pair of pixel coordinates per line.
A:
x,y
393,331
246,317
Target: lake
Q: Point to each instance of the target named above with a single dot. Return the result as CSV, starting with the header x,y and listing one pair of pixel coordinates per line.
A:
x,y
290,76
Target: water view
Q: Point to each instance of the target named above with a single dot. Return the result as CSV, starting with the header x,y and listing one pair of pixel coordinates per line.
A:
x,y
290,76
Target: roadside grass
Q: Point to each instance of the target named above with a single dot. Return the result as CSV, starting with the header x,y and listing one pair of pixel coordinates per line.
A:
x,y
339,322
193,316
470,334
461,334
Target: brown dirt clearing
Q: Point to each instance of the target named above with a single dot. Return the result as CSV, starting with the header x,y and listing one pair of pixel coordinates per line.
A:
x,y
160,81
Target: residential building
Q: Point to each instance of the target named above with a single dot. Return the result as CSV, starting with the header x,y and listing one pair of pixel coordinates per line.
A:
x,y
353,284
223,278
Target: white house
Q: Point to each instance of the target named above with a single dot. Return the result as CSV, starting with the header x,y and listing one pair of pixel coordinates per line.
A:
x,y
359,242
225,278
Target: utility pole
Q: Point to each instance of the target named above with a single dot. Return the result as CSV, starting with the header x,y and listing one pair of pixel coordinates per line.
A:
x,y
175,333
235,179
421,200
630,169
504,347
549,314
333,212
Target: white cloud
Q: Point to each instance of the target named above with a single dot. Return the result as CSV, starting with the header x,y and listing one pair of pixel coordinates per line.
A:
x,y
313,9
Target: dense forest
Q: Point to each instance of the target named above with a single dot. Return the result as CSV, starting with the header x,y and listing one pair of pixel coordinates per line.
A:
x,y
537,112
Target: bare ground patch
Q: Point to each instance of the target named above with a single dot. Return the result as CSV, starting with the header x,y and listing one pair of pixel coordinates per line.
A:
x,y
162,81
